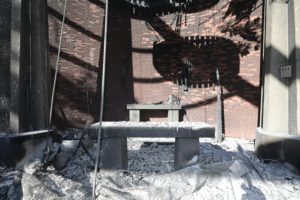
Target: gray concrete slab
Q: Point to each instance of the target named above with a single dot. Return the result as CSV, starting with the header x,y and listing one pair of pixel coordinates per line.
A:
x,y
154,129
276,146
113,153
185,150
173,115
134,115
114,143
275,105
153,107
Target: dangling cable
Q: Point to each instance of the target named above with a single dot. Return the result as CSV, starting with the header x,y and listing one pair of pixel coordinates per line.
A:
x,y
102,101
57,62
86,69
55,80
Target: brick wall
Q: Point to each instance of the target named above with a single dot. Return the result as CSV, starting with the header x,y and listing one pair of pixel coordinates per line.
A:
x,y
144,59
4,64
75,101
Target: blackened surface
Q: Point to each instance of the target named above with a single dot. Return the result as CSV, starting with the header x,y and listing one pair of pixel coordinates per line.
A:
x,y
5,8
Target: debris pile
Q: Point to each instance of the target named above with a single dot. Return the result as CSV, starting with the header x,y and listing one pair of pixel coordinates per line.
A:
x,y
225,171
10,183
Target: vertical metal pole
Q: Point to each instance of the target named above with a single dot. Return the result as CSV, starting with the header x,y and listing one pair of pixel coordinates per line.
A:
x,y
219,129
102,99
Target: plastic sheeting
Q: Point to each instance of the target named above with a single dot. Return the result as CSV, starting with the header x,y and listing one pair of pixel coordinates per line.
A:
x,y
195,182
228,170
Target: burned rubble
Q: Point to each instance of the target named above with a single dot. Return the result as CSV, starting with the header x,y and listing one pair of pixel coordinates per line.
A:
x,y
224,171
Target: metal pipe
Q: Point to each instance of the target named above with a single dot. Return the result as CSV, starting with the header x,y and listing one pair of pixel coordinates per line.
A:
x,y
102,99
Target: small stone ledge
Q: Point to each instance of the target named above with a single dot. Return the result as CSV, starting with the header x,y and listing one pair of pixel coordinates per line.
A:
x,y
153,107
278,146
17,150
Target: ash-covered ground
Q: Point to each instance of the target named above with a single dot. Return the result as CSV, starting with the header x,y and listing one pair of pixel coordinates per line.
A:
x,y
229,170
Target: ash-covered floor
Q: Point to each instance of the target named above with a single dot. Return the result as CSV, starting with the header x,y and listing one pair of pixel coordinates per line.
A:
x,y
228,170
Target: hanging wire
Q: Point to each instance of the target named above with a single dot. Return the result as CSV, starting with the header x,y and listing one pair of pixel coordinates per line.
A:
x,y
102,102
86,70
55,80
57,62
214,18
214,34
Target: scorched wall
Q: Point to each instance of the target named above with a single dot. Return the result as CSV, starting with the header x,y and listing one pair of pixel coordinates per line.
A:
x,y
143,61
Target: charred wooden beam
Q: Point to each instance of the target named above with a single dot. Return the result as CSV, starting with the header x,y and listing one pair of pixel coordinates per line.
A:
x,y
17,149
40,71
15,65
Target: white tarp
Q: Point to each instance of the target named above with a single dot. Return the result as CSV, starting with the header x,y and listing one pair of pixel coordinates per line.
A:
x,y
195,182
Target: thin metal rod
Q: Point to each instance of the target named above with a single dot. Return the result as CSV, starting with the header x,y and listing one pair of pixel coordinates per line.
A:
x,y
54,82
219,130
102,100
57,62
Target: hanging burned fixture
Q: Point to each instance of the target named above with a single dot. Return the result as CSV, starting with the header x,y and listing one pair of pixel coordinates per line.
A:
x,y
147,9
152,8
186,67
